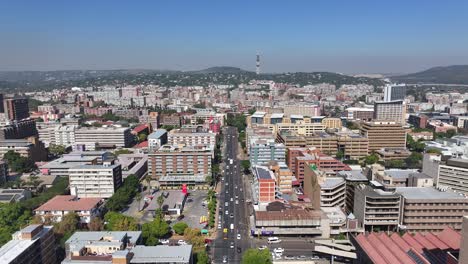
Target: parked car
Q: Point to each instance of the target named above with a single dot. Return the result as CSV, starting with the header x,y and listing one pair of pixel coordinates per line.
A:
x,y
164,241
278,250
262,247
180,217
181,242
225,260
239,250
289,257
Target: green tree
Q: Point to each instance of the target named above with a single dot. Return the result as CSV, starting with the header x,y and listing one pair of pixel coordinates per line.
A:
x,y
245,164
395,164
122,151
119,222
340,154
256,256
154,230
414,160
57,149
160,201
142,137
434,151
180,227
202,258
371,159
68,225
96,224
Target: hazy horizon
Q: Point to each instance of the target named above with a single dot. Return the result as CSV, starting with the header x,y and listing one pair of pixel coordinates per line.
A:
x,y
307,36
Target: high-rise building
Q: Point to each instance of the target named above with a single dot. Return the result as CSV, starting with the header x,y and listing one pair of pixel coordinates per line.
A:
x,y
389,111
2,109
384,135
95,180
34,244
263,151
394,92
16,108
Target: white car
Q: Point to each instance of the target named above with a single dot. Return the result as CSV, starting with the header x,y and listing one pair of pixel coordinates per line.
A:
x,y
237,201
181,242
278,250
238,236
262,247
232,245
225,259
315,258
232,199
164,241
219,226
227,212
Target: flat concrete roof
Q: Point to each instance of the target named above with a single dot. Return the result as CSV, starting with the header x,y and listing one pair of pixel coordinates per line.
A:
x,y
161,254
427,193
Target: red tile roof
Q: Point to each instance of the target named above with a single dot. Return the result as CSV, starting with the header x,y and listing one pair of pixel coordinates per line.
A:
x,y
370,250
436,241
69,203
450,237
140,128
143,144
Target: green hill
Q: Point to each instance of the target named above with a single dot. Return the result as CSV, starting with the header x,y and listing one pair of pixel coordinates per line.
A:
x,y
456,74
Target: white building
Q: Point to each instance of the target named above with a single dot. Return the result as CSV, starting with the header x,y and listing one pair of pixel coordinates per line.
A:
x,y
177,137
95,180
157,139
107,137
64,136
454,175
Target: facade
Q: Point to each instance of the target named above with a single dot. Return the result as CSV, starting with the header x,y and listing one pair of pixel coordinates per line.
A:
x,y
174,166
425,209
191,138
3,172
103,137
264,184
34,244
453,175
394,92
330,191
384,135
389,111
284,177
157,139
301,128
310,110
263,151
29,148
64,136
332,123
95,181
353,178
16,108
359,113
418,121
376,209
59,206
19,129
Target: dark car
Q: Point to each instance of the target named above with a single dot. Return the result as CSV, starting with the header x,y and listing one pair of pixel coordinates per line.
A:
x,y
180,217
239,250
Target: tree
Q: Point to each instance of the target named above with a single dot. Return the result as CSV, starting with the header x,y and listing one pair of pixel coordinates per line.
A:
x,y
179,228
202,258
33,181
122,151
148,182
154,230
18,163
193,235
371,159
414,160
69,224
256,256
96,224
395,164
434,151
124,194
160,201
142,137
57,149
245,164
340,154
119,222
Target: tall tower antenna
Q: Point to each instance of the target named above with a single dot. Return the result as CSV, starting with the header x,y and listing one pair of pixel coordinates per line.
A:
x,y
257,68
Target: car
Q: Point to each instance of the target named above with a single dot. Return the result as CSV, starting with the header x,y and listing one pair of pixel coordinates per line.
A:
x,y
302,257
289,257
278,250
219,226
238,236
225,260
315,257
164,241
262,247
232,199
227,212
237,201
232,216
232,245
227,191
180,217
237,196
181,242
235,187
239,250
241,189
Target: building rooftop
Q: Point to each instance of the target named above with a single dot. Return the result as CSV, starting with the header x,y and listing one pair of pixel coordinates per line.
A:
x,y
263,173
69,203
172,199
427,193
157,134
277,115
352,175
17,246
399,174
81,238
161,254
332,182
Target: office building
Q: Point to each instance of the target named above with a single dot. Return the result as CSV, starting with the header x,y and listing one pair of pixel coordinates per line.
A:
x,y
394,92
59,206
384,135
263,151
19,129
309,110
157,139
191,137
389,111
376,209
151,118
332,123
170,120
60,167
461,122
174,165
64,136
454,174
352,178
331,190
95,181
418,120
34,244
284,177
359,113
103,137
264,184
16,108
426,209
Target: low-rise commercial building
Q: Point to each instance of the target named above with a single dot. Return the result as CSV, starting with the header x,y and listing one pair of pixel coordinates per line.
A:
x,y
59,206
34,244
100,181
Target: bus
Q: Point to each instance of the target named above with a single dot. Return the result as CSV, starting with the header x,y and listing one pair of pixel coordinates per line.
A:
x,y
273,240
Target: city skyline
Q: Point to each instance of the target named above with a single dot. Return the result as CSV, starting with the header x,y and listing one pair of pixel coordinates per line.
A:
x,y
339,37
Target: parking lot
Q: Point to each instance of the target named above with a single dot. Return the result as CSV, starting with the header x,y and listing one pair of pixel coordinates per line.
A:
x,y
194,209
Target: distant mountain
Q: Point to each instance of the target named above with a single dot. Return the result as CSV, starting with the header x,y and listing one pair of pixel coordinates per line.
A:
x,y
220,69
456,74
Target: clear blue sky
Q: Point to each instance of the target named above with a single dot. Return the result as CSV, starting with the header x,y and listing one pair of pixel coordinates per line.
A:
x,y
342,36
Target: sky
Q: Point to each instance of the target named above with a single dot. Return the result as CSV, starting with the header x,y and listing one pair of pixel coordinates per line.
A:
x,y
341,36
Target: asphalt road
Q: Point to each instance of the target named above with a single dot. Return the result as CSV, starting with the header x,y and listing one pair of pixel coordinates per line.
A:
x,y
232,187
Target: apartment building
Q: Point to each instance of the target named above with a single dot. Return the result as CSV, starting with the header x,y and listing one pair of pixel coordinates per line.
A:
x,y
389,111
64,136
59,206
376,209
264,185
331,191
103,137
300,128
174,165
34,244
30,148
454,174
352,178
16,108
284,177
95,181
359,113
191,138
263,151
426,209
384,135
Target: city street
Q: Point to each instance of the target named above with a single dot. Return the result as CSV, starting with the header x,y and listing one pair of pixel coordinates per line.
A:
x,y
228,245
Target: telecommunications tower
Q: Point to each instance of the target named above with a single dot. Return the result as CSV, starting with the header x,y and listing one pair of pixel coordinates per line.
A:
x,y
257,68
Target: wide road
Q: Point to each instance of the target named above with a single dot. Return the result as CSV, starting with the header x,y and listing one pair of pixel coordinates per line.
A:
x,y
232,206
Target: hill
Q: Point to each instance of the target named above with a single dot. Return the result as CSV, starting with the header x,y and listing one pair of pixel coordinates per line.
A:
x,y
220,69
456,74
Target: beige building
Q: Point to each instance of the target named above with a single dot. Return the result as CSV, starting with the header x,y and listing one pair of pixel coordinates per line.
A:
x,y
333,123
384,135
454,174
95,181
425,209
389,111
283,176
